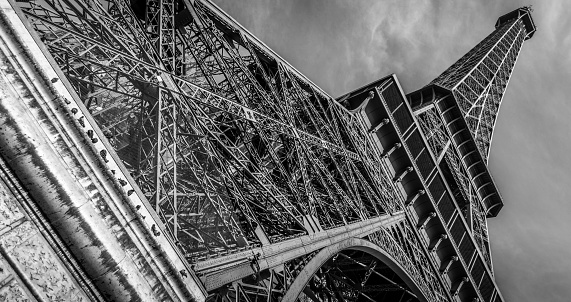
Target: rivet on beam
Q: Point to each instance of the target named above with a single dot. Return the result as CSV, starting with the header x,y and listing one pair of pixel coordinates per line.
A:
x,y
381,124
425,221
414,198
459,287
391,150
403,174
445,269
434,246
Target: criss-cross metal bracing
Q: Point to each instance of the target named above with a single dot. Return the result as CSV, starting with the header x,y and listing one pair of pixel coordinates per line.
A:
x,y
458,178
477,82
350,270
269,187
231,147
479,79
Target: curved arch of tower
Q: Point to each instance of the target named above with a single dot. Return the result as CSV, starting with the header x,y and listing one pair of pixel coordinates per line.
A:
x,y
155,150
334,272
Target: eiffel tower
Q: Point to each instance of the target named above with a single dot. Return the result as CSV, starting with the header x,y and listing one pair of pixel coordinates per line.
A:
x,y
155,150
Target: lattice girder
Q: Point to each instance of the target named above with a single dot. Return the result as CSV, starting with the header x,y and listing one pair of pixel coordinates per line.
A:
x,y
349,275
238,153
172,136
459,181
478,80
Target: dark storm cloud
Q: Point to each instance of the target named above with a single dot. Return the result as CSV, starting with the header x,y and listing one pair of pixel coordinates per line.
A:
x,y
342,45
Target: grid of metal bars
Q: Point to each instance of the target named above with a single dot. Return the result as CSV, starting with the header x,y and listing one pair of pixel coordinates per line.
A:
x,y
230,147
235,150
479,79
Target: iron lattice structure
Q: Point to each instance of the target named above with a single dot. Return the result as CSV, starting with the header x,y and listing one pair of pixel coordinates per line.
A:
x,y
479,79
477,83
271,189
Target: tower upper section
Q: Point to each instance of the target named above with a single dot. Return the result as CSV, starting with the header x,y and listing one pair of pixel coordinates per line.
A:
x,y
478,80
457,111
523,13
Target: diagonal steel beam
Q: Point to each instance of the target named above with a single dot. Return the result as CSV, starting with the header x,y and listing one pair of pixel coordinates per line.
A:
x,y
223,270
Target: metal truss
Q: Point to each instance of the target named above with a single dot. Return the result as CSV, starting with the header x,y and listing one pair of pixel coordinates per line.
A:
x,y
406,249
464,192
259,175
350,275
479,79
233,149
434,130
258,157
263,159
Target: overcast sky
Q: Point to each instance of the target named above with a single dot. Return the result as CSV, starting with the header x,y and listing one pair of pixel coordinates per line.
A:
x,y
342,45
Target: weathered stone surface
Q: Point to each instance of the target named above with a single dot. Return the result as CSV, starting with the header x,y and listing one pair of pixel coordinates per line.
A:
x,y
9,211
37,262
28,264
12,291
